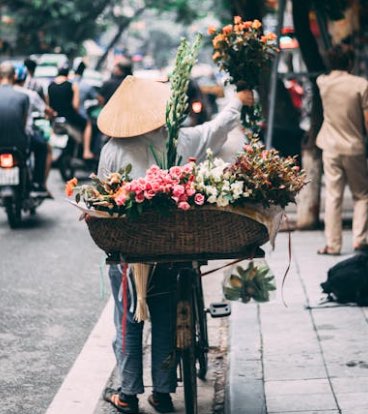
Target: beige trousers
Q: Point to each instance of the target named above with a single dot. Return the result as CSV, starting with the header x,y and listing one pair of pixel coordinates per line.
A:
x,y
340,170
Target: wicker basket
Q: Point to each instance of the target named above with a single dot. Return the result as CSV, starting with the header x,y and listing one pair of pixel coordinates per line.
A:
x,y
200,233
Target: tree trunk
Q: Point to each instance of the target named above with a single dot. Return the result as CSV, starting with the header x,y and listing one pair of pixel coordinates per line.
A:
x,y
122,26
309,198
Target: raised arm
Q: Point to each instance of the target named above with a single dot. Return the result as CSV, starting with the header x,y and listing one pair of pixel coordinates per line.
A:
x,y
194,141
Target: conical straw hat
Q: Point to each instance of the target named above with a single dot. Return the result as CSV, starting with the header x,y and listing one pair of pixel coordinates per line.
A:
x,y
138,106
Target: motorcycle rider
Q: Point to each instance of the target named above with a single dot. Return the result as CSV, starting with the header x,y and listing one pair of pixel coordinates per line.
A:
x,y
13,111
65,100
31,82
40,148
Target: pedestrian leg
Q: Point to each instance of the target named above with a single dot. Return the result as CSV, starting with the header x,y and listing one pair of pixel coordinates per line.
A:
x,y
162,305
129,353
335,181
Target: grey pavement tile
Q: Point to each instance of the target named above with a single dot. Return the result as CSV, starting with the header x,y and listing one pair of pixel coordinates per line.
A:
x,y
308,412
304,395
293,367
351,403
350,385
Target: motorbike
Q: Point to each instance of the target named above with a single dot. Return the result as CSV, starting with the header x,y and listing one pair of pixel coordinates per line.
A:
x,y
16,194
67,148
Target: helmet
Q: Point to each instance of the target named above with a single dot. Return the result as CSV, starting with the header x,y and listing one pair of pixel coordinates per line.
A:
x,y
20,72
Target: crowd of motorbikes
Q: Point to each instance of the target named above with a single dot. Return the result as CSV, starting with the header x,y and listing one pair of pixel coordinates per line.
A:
x,y
16,189
16,195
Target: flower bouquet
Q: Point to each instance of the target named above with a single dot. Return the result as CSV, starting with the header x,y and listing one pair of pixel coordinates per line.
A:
x,y
243,51
256,282
203,210
208,209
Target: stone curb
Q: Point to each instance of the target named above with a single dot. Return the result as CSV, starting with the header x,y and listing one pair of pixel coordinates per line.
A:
x,y
245,386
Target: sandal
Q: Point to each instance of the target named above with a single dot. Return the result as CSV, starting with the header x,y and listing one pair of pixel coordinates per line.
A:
x,y
127,404
328,251
161,402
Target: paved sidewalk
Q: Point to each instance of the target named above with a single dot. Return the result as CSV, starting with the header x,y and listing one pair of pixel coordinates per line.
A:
x,y
305,358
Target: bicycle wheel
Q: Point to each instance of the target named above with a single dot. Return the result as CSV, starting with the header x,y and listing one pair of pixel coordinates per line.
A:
x,y
186,338
201,329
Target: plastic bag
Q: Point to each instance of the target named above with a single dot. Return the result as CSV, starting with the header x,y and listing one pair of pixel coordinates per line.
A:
x,y
254,281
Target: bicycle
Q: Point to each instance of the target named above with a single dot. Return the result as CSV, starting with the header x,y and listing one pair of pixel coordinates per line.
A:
x,y
191,341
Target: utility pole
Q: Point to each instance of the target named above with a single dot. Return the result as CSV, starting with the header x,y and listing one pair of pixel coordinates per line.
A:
x,y
274,76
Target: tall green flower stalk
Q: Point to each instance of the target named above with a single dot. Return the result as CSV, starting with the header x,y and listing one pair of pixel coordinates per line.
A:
x,y
176,109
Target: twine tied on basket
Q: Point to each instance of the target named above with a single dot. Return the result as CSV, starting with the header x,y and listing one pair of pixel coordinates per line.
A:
x,y
141,274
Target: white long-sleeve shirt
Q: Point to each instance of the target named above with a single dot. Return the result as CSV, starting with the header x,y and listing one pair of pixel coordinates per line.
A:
x,y
192,142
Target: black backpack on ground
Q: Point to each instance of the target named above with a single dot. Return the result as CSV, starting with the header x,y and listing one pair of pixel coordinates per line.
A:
x,y
347,281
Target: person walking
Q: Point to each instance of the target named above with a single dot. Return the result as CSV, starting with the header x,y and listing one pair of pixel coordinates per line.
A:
x,y
341,138
135,118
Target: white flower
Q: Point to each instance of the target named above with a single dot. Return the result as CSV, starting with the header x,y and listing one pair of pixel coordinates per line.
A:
x,y
222,202
211,190
212,199
237,189
209,152
216,174
219,162
226,186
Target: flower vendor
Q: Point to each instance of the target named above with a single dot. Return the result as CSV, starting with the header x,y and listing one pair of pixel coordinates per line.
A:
x,y
135,118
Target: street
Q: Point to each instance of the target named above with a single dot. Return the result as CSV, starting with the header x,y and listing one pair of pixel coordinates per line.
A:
x,y
51,297
56,329
51,302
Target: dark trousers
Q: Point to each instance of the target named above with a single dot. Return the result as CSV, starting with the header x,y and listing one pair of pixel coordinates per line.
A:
x,y
39,149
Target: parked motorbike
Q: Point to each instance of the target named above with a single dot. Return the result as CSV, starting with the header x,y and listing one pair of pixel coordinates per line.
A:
x,y
16,194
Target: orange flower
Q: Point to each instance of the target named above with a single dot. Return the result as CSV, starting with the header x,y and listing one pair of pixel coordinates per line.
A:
x,y
216,55
271,36
218,39
238,28
264,39
227,29
247,24
122,192
237,20
211,30
70,185
256,24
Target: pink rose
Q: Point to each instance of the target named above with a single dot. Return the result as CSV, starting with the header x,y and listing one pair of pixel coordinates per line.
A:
x,y
190,191
199,199
120,201
183,197
139,198
178,190
248,148
175,171
149,194
188,168
184,205
155,186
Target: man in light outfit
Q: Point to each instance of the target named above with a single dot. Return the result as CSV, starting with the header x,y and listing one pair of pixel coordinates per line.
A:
x,y
135,116
345,109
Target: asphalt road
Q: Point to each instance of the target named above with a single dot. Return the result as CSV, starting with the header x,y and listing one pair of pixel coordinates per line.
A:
x,y
50,299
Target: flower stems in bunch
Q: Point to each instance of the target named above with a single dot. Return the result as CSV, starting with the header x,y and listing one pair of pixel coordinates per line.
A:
x,y
177,106
243,51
